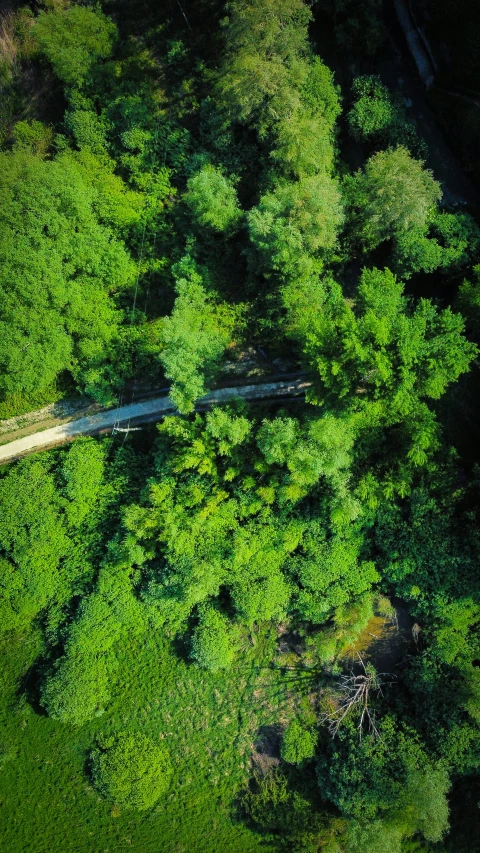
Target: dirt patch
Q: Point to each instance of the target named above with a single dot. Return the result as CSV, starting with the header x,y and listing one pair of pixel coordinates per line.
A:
x,y
266,749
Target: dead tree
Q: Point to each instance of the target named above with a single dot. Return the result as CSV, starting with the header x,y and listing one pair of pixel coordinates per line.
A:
x,y
356,692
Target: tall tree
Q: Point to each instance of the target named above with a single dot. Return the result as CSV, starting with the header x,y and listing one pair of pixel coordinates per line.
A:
x,y
59,268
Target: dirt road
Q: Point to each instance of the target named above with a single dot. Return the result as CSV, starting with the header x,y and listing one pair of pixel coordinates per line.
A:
x,y
150,410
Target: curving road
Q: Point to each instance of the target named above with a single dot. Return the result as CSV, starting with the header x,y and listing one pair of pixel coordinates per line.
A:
x,y
125,417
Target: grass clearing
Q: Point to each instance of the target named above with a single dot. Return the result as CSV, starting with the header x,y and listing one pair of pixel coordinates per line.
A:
x,y
209,721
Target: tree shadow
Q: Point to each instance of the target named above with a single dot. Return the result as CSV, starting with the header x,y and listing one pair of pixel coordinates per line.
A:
x,y
29,686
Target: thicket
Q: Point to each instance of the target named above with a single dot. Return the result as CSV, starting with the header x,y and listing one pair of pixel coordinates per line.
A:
x,y
192,197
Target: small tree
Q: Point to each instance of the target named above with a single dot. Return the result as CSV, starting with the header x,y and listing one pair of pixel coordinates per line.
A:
x,y
394,194
73,39
372,111
212,199
194,339
131,770
298,743
212,646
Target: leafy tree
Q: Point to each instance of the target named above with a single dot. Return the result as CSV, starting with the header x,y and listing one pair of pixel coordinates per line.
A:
x,y
194,338
131,770
468,301
33,543
393,195
34,137
329,574
212,199
449,241
82,472
58,314
212,646
388,778
296,221
79,686
298,743
73,40
373,110
378,116
266,42
379,349
304,139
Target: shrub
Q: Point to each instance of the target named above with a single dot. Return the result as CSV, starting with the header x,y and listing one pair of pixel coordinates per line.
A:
x,y
131,770
212,646
298,743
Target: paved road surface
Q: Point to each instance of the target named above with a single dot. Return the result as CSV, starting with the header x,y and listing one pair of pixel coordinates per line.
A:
x,y
150,410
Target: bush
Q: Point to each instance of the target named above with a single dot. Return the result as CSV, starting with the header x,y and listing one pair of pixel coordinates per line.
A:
x,y
131,770
212,646
298,743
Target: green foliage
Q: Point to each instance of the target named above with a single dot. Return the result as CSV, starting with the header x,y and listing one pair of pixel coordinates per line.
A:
x,y
304,139
212,646
266,42
134,579
64,265
379,350
79,687
33,541
296,221
131,770
32,136
394,195
468,302
378,116
193,337
296,820
387,779
212,199
73,39
298,743
448,241
373,111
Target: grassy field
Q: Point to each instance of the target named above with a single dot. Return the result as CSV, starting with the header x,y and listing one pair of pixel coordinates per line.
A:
x,y
48,804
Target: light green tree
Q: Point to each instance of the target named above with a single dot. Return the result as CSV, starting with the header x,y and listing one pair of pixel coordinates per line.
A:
x,y
131,770
295,223
212,199
393,195
194,338
298,743
73,39
213,646
266,43
33,544
379,350
59,268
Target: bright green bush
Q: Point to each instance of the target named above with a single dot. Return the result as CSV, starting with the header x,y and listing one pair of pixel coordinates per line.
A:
x,y
132,770
212,645
298,743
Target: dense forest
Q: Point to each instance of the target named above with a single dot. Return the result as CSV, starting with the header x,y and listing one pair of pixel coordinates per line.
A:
x,y
249,627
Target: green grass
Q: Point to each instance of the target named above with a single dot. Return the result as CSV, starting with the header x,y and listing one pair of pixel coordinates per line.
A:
x,y
48,804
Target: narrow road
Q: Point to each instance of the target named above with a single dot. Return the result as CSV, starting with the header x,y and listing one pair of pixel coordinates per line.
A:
x,y
150,410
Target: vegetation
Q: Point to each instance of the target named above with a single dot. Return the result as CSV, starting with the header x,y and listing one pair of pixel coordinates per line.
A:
x,y
247,627
131,770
